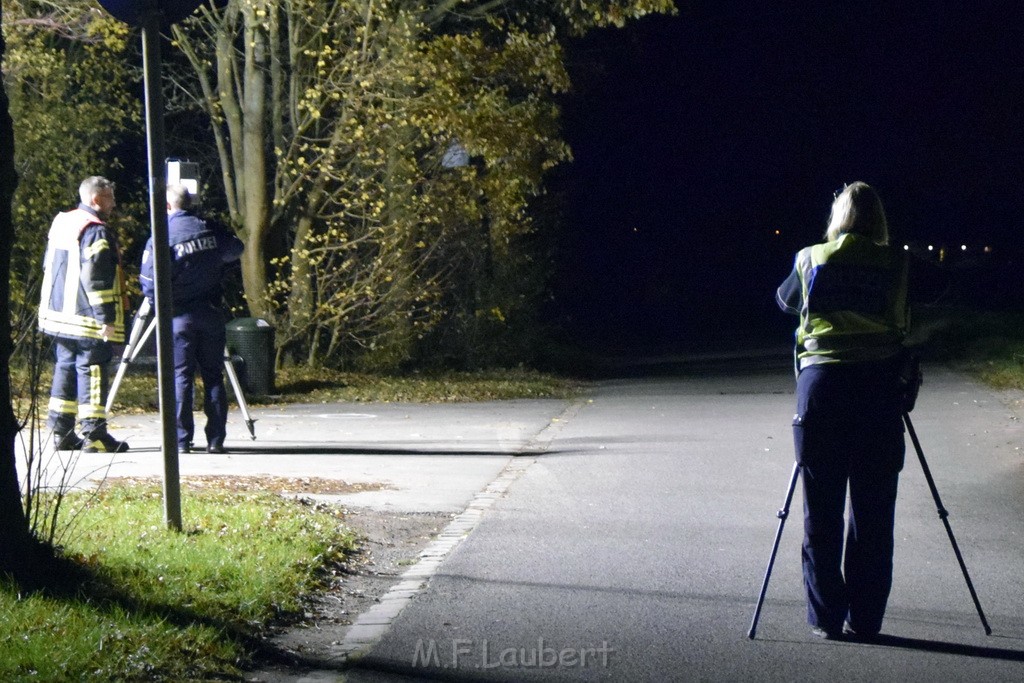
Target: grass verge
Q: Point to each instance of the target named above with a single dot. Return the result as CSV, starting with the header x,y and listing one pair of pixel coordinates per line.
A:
x,y
146,603
988,345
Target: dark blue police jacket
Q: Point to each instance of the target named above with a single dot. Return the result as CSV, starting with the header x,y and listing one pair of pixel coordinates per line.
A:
x,y
199,251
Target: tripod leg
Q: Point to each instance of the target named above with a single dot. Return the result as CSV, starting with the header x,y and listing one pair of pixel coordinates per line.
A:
x,y
142,340
782,515
136,339
943,514
237,388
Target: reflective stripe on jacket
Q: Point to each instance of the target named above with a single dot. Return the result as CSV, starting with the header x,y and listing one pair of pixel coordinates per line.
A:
x,y
853,301
82,281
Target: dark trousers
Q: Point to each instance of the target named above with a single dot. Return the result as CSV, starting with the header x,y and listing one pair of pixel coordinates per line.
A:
x,y
848,432
79,388
199,339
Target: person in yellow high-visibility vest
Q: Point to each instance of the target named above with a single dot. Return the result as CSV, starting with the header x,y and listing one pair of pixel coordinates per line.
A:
x,y
850,294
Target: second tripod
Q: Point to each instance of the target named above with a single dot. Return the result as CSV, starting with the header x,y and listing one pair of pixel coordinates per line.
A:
x,y
142,329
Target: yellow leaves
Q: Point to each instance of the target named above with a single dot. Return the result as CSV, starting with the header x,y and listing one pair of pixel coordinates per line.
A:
x,y
373,104
494,313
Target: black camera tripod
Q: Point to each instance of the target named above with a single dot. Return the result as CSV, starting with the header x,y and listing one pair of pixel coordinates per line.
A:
x,y
142,327
943,515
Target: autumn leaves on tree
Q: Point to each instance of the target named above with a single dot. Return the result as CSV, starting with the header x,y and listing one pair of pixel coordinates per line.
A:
x,y
383,160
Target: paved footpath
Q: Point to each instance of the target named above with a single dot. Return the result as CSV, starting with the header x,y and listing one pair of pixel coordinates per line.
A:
x,y
408,457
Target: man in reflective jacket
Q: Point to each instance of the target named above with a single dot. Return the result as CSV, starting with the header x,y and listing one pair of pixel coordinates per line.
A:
x,y
851,296
82,307
199,251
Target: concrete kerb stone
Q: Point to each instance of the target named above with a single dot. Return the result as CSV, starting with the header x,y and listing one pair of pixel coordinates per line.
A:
x,y
374,623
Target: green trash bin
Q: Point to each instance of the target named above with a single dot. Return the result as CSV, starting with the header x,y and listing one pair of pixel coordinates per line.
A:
x,y
252,340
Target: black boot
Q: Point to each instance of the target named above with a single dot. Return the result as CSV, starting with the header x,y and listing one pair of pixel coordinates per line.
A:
x,y
105,443
68,442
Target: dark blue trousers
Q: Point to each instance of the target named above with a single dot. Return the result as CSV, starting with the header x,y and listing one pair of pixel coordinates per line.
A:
x,y
199,339
848,433
79,389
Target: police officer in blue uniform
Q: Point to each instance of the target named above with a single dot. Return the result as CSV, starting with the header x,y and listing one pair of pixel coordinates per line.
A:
x,y
199,251
82,307
850,293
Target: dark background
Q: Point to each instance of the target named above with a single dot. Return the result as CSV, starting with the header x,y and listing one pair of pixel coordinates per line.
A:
x,y
708,145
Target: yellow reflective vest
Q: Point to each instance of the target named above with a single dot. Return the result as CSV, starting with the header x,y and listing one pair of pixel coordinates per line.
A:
x,y
83,285
852,301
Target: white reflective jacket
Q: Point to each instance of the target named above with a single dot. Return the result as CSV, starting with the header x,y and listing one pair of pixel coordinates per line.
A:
x,y
82,287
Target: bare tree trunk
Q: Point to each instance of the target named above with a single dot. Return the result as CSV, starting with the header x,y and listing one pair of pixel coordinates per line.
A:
x,y
255,109
15,538
235,91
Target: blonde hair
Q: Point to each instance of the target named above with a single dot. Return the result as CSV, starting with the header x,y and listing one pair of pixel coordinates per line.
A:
x,y
858,210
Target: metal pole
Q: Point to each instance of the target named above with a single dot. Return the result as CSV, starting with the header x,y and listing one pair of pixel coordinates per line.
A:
x,y
782,515
162,262
943,514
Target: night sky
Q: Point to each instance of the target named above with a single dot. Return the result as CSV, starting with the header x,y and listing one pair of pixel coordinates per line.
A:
x,y
697,137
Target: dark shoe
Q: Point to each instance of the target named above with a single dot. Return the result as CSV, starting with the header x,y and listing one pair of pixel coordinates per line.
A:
x,y
819,632
68,442
216,448
106,444
858,636
185,447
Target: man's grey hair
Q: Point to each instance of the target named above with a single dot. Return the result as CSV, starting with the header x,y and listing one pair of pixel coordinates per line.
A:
x,y
92,186
178,197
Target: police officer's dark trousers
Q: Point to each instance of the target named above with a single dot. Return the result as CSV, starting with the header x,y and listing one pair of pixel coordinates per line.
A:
x,y
79,389
848,431
199,339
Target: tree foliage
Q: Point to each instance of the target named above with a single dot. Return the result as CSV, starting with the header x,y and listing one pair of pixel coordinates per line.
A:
x,y
68,72
335,122
69,75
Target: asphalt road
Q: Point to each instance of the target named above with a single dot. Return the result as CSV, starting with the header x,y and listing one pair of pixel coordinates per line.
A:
x,y
624,536
629,543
